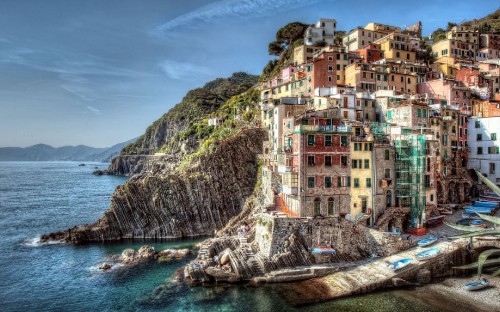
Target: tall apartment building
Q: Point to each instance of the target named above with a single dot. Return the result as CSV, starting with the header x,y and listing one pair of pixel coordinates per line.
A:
x,y
484,146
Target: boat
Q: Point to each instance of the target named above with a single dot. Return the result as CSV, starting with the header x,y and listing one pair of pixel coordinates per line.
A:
x,y
490,198
435,221
398,265
427,241
324,249
445,211
428,253
483,210
477,285
393,233
485,204
478,223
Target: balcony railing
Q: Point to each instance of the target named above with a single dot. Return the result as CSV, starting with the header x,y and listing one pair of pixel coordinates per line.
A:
x,y
322,128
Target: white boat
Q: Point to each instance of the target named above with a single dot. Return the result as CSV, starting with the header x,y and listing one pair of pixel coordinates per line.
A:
x,y
427,241
477,285
397,265
428,253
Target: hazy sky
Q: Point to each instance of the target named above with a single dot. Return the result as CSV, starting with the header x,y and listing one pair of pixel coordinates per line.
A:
x,y
99,72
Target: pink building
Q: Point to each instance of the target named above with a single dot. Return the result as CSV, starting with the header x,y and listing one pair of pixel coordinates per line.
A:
x,y
457,97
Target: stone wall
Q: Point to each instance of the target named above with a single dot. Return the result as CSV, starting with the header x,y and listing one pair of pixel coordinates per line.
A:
x,y
351,241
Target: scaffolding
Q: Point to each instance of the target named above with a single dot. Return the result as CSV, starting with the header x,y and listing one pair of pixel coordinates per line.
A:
x,y
380,132
410,174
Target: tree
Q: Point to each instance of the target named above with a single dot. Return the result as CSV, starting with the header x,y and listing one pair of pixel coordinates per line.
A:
x,y
285,36
438,34
320,43
450,26
274,48
474,232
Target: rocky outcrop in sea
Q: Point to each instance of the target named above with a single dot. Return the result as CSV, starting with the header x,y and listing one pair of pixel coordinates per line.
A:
x,y
191,201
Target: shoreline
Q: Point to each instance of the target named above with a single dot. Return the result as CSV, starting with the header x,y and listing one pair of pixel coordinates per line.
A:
x,y
486,300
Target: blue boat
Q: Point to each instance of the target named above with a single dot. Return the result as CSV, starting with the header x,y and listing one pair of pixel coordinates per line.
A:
x,y
483,210
427,241
477,285
393,233
428,253
485,204
397,265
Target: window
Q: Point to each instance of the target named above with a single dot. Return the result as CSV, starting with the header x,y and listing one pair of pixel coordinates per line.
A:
x,y
492,168
338,56
368,182
310,160
328,161
338,66
479,137
478,124
389,114
367,164
344,181
419,113
479,150
387,154
330,58
328,140
309,68
328,182
493,136
356,163
343,161
427,181
329,78
356,182
357,146
493,150
368,147
364,74
343,140
330,68
317,206
310,182
330,206
387,173
310,140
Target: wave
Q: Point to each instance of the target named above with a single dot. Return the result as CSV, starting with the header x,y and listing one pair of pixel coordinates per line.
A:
x,y
37,242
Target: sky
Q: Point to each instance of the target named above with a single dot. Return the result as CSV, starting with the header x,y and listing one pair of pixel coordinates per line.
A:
x,y
99,72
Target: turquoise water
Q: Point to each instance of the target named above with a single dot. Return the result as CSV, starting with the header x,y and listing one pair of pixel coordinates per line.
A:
x,y
41,197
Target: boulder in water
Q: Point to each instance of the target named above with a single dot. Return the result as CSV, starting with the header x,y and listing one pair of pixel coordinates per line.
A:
x,y
105,266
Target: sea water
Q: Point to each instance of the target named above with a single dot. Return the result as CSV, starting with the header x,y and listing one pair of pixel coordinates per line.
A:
x,y
43,197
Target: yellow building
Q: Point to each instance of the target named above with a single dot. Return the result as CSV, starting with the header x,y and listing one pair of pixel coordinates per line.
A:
x,y
304,54
362,185
397,46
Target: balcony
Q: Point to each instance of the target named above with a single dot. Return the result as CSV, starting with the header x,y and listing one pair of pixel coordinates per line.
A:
x,y
322,128
284,169
265,106
290,190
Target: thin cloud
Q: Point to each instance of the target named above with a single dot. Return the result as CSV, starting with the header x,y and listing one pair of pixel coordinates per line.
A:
x,y
94,110
241,8
182,70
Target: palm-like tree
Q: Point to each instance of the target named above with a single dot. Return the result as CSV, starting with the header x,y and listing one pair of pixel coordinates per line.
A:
x,y
475,232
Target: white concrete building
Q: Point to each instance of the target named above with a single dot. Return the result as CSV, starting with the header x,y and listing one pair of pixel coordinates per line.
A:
x,y
484,146
324,29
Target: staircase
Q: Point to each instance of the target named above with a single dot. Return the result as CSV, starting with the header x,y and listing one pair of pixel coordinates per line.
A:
x,y
251,261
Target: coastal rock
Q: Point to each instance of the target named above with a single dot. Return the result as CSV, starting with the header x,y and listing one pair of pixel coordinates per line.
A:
x,y
197,201
131,256
146,252
173,254
105,266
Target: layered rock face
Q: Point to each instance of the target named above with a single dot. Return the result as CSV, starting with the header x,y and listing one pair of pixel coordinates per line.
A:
x,y
186,202
164,132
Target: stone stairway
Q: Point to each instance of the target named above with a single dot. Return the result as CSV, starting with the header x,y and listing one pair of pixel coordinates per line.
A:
x,y
251,260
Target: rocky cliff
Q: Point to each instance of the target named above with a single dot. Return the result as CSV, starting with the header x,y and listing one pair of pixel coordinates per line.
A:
x,y
193,200
175,134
